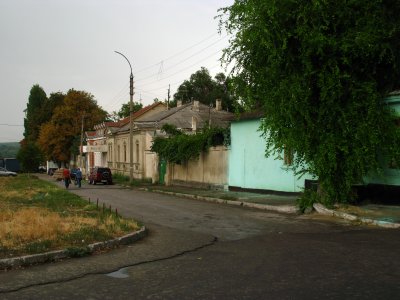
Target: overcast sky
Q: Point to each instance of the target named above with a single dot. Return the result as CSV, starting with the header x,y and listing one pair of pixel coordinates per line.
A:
x,y
64,44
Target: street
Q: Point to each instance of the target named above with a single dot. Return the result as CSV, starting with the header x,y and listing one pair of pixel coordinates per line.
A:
x,y
201,250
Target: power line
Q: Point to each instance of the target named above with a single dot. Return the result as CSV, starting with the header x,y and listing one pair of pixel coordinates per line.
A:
x,y
196,63
11,125
175,55
182,61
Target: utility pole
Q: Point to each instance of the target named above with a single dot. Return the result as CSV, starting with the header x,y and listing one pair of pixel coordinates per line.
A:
x,y
130,120
81,145
169,88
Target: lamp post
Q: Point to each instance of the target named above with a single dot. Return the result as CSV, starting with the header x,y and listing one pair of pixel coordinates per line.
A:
x,y
130,121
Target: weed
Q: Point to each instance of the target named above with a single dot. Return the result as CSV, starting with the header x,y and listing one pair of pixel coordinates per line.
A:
x,y
78,251
39,217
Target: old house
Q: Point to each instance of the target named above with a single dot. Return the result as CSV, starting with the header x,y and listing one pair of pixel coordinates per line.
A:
x,y
210,169
108,144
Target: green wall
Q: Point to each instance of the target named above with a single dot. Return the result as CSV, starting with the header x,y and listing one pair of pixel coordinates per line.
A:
x,y
389,176
248,166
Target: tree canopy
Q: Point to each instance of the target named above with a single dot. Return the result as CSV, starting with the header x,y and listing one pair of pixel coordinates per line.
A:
x,y
34,112
320,71
202,87
124,111
57,137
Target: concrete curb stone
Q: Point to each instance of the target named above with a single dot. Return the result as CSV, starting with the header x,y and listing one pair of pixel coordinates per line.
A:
x,y
330,212
51,256
290,209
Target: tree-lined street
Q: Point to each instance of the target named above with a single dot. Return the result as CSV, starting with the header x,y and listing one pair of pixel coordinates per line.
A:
x,y
199,250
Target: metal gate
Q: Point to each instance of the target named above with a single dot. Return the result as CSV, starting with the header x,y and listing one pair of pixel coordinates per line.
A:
x,y
162,168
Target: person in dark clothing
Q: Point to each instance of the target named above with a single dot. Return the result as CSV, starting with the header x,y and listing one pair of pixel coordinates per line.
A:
x,y
78,177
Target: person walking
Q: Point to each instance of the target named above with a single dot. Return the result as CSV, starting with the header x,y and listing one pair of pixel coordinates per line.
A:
x,y
67,177
78,177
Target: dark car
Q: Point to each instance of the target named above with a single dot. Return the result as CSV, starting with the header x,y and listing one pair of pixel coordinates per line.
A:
x,y
100,174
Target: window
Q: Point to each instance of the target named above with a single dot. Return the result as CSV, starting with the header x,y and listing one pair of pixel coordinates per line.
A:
x,y
119,153
137,151
124,152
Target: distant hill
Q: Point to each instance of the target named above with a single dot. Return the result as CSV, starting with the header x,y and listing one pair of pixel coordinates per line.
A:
x,y
9,149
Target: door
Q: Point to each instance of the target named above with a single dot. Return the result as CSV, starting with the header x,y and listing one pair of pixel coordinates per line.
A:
x,y
162,169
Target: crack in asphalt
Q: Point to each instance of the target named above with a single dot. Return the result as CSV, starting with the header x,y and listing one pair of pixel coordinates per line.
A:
x,y
7,291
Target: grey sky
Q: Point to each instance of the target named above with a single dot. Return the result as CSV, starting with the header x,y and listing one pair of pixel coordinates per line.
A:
x,y
63,44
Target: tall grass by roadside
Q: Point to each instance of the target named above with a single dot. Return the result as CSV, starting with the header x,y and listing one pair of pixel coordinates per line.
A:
x,y
124,180
37,216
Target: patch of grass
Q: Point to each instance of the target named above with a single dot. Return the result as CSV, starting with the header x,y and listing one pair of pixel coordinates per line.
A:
x,y
37,216
124,180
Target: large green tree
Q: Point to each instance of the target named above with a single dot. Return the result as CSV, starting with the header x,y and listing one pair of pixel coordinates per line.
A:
x,y
58,136
30,156
202,87
320,70
34,113
124,111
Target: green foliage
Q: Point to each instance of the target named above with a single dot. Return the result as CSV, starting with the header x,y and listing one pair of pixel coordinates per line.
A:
x,y
34,113
30,157
9,149
320,70
202,87
307,199
171,129
125,180
180,148
60,135
124,111
78,251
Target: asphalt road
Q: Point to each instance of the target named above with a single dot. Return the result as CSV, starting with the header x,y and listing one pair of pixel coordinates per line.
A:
x,y
201,250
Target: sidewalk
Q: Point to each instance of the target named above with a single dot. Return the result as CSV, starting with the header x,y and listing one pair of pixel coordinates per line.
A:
x,y
387,216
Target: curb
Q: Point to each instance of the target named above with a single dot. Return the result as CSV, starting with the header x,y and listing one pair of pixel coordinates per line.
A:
x,y
329,212
51,256
289,209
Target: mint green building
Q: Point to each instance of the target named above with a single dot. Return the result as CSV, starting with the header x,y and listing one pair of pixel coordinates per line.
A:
x,y
390,174
250,169
248,166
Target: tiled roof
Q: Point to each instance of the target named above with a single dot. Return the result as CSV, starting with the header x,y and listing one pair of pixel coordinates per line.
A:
x,y
182,117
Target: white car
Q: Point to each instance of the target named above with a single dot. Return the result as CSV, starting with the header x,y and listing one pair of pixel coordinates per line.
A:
x,y
5,172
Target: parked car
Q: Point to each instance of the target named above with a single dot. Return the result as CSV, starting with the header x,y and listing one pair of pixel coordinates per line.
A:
x,y
5,172
100,174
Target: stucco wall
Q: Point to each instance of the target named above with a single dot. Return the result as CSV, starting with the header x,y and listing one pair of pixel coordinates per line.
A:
x,y
210,170
389,176
248,166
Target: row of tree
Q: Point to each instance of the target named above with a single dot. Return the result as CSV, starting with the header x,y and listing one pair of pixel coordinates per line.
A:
x,y
53,125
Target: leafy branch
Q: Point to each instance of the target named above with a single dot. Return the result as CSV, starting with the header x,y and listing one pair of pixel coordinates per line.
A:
x,y
180,147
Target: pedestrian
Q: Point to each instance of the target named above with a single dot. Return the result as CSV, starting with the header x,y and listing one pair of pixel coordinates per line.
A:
x,y
78,177
67,177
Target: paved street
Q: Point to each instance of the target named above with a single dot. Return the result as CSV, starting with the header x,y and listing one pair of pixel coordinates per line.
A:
x,y
201,250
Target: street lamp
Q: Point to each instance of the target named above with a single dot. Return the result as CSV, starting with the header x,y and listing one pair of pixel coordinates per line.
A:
x,y
130,121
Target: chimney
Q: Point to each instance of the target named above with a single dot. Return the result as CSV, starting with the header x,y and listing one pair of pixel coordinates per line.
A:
x,y
178,103
194,123
196,105
218,104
